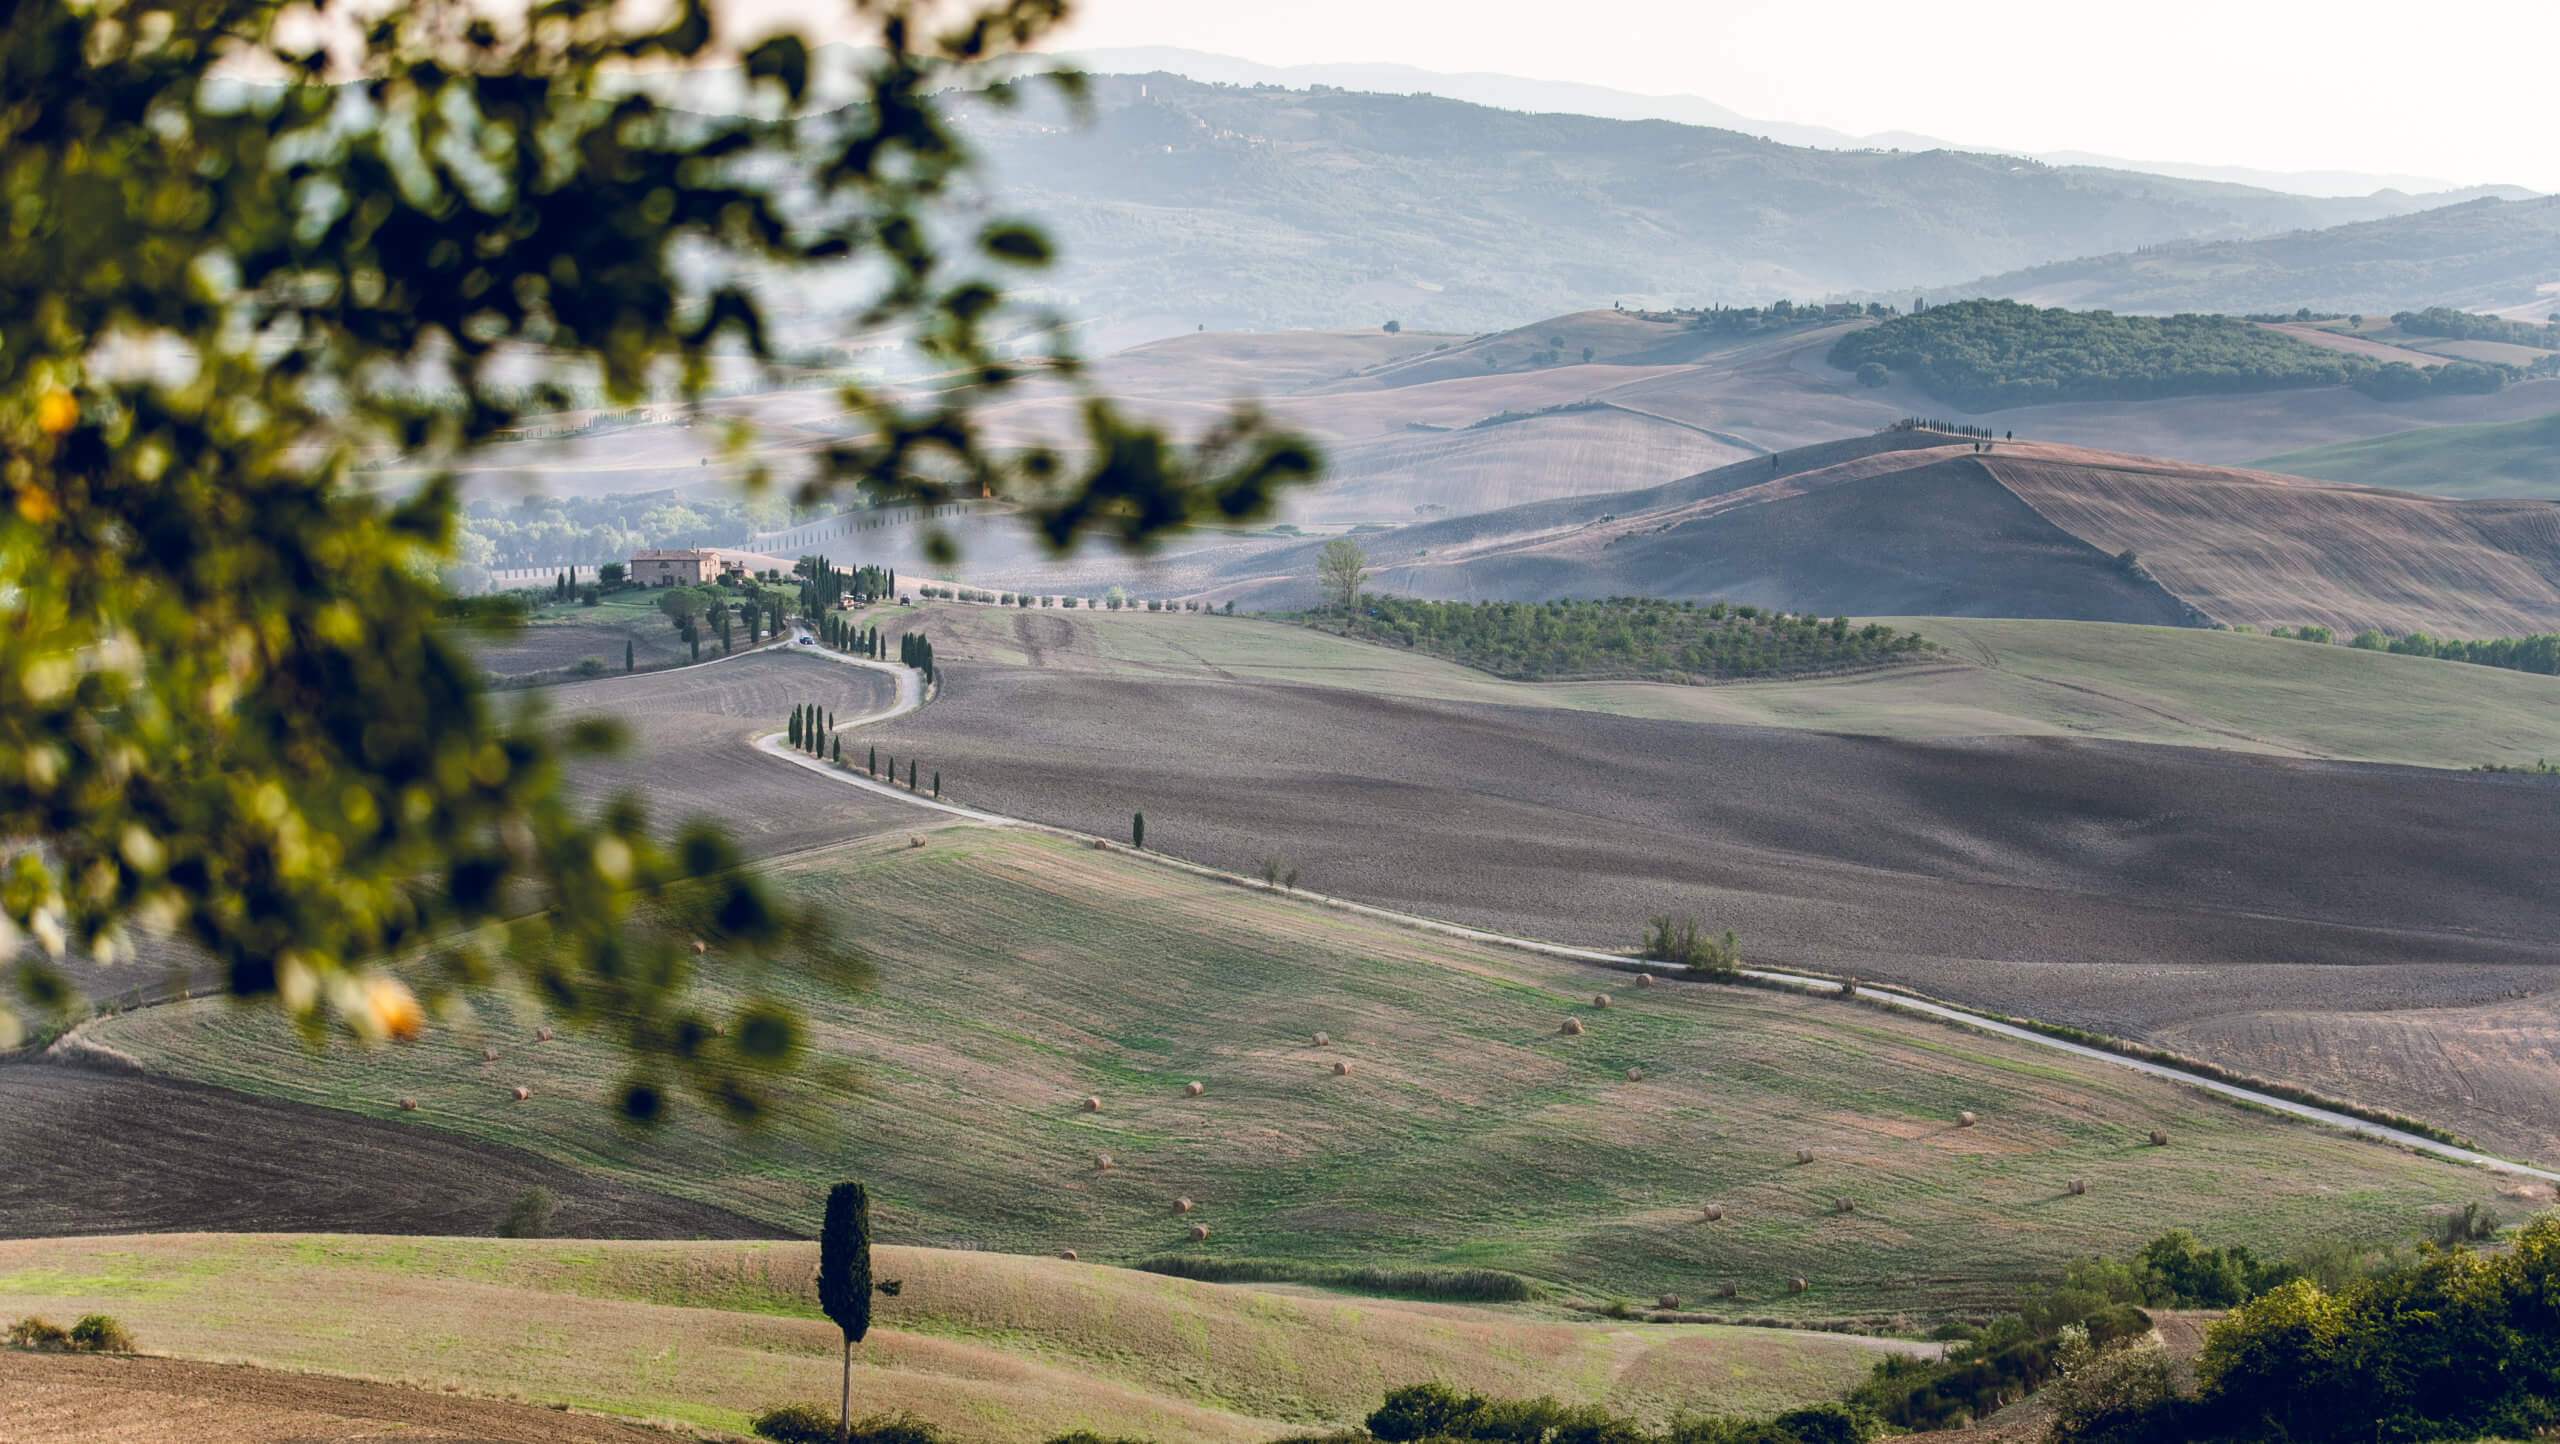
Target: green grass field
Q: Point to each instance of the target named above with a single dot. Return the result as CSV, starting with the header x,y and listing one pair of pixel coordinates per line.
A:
x,y
1999,678
999,1349
1020,975
2500,459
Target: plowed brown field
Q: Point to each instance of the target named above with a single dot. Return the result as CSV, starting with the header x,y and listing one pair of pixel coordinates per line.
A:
x,y
689,757
67,1399
97,1153
2124,887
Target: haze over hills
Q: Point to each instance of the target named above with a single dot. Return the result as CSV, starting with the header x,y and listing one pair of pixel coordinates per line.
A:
x,y
2490,254
1183,205
1517,92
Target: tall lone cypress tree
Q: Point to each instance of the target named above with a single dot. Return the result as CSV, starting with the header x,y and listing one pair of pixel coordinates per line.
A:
x,y
1138,829
875,761
844,1281
839,758
937,784
911,774
626,654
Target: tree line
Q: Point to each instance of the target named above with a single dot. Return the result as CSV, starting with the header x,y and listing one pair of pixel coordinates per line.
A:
x,y
2469,326
2537,653
1985,355
1628,637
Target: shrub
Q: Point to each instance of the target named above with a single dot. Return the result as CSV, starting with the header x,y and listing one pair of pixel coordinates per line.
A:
x,y
590,666
531,1216
34,1333
98,1334
1678,940
816,1424
2106,1391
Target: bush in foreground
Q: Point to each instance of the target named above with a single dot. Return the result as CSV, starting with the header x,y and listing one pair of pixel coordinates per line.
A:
x,y
816,1424
1435,1411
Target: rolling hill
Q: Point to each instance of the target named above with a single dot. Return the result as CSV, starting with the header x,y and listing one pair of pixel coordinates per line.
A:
x,y
1259,207
995,1349
2510,459
2484,254
1918,522
1020,974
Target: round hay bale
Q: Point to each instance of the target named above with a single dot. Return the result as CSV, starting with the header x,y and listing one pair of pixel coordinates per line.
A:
x,y
1842,1205
1668,1301
1100,846
1599,1000
1966,1119
2159,1138
1068,1254
408,1105
1727,1290
523,1093
2079,1186
1635,1075
1804,1155
488,1055
1341,1068
1191,1090
1182,1205
1714,1213
919,842
1644,980
700,947
1093,1105
1797,1285
1199,1232
1571,1027
1102,1163
1324,1040
542,1035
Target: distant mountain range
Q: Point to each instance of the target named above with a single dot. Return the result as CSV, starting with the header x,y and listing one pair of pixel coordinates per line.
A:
x,y
1515,92
1185,205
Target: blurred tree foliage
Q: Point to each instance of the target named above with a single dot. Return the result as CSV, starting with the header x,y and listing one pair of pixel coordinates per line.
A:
x,y
246,243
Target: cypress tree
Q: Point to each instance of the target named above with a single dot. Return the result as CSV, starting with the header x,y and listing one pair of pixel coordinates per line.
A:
x,y
795,726
626,654
1138,829
875,761
839,759
844,1280
937,784
911,774
831,719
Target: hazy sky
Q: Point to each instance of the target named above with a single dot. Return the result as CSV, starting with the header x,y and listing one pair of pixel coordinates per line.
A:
x,y
2454,88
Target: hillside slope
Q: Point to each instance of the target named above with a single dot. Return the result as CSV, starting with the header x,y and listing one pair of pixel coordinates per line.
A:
x,y
1185,204
1916,522
2484,254
2492,459
994,1349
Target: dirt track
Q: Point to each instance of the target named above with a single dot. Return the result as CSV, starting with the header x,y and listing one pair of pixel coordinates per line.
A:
x,y
67,1399
688,755
2117,886
93,1153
